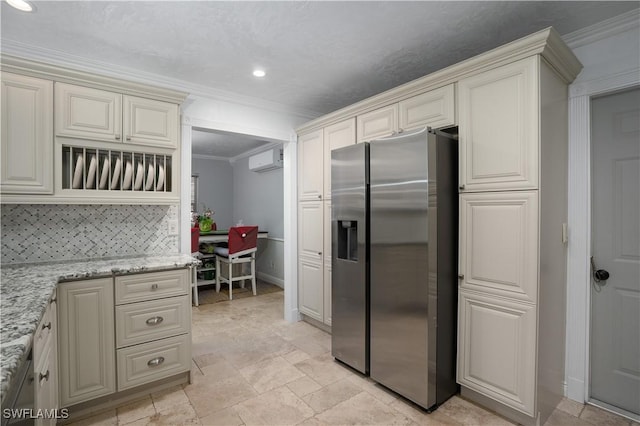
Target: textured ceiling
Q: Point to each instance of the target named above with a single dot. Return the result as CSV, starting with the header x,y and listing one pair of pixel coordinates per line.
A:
x,y
319,56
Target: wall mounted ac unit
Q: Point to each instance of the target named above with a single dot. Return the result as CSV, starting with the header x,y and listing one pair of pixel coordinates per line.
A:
x,y
265,161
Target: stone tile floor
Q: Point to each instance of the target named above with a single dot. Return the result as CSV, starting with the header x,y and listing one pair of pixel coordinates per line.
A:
x,y
250,367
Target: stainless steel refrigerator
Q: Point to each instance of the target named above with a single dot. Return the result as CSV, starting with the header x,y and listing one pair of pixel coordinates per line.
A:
x,y
394,256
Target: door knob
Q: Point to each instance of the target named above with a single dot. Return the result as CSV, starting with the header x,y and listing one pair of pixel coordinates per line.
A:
x,y
599,275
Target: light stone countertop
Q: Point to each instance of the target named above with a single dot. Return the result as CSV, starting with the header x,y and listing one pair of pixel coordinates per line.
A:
x,y
25,291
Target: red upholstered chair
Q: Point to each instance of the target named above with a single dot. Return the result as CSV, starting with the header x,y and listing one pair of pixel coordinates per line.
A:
x,y
242,249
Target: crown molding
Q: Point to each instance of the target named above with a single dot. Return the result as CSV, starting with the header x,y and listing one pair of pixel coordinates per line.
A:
x,y
69,61
604,29
546,43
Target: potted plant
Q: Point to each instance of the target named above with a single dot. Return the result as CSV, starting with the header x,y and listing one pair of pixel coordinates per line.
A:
x,y
205,221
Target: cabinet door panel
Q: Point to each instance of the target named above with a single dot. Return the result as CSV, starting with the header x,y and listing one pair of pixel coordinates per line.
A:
x,y
82,112
496,349
27,135
310,288
336,136
499,128
86,340
499,243
327,263
310,230
310,166
150,122
377,124
435,108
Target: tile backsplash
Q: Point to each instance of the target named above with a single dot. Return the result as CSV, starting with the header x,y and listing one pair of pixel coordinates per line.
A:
x,y
43,233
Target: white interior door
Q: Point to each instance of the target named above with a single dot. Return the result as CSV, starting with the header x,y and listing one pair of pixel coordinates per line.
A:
x,y
615,302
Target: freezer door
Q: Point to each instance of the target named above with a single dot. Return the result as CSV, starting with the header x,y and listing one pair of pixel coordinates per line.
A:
x,y
402,271
349,256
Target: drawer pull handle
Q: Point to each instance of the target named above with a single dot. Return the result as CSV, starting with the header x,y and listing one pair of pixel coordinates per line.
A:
x,y
156,361
155,320
47,325
44,376
154,286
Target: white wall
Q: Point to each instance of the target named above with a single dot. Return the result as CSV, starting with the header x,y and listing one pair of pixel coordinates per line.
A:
x,y
610,54
215,189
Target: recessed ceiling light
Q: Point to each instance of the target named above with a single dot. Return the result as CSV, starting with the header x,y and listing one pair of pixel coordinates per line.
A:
x,y
22,5
259,73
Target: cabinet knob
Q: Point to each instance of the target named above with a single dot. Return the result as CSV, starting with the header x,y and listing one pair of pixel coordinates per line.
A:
x,y
400,131
461,276
319,253
461,187
319,196
156,361
154,286
52,301
154,320
47,325
117,137
128,138
44,376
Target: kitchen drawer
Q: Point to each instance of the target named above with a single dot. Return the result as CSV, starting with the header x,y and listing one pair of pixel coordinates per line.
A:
x,y
156,319
153,285
148,362
44,331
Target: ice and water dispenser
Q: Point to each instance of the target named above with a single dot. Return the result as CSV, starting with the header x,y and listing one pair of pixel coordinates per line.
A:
x,y
348,240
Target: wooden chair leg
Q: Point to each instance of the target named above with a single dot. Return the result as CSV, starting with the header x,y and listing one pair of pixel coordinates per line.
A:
x,y
218,274
253,273
230,276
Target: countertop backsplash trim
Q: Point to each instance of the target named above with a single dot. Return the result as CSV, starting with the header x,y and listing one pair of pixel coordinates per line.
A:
x,y
44,233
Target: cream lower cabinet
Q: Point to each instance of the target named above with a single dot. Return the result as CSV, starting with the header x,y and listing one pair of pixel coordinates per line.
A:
x,y
27,135
122,332
86,340
45,361
497,347
435,108
153,324
311,259
314,260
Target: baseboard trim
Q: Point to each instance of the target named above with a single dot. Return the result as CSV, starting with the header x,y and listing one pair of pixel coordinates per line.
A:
x,y
270,279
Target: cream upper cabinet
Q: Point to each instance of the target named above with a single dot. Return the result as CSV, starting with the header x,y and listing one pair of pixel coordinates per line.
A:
x,y
150,122
435,108
497,349
336,136
310,166
86,340
87,113
498,128
499,243
378,124
27,135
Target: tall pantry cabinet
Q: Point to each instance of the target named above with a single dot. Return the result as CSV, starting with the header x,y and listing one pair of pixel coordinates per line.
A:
x,y
314,216
510,108
512,252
